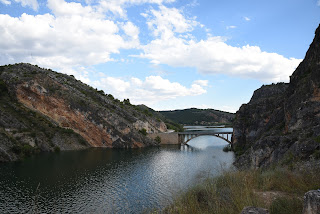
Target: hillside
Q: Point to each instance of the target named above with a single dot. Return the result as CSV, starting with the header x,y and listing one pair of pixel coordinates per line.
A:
x,y
42,110
281,123
178,127
193,116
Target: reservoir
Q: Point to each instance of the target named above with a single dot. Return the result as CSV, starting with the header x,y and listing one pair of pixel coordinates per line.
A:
x,y
109,180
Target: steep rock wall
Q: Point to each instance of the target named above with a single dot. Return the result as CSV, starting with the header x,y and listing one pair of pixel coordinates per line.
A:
x,y
281,123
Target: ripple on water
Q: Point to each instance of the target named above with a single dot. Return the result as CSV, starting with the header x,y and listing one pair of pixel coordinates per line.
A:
x,y
105,181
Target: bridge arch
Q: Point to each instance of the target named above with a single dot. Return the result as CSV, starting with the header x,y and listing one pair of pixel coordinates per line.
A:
x,y
185,137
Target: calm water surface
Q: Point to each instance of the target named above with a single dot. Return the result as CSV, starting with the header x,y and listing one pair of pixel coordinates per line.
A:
x,y
109,181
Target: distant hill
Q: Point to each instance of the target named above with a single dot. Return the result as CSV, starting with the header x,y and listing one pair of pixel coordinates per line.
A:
x,y
173,125
42,110
194,116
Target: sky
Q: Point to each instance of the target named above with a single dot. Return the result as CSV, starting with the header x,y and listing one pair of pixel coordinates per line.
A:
x,y
166,54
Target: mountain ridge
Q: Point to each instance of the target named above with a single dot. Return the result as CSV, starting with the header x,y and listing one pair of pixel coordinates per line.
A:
x,y
194,116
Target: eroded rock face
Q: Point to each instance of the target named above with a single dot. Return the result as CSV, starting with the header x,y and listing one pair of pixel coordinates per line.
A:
x,y
150,127
62,103
281,123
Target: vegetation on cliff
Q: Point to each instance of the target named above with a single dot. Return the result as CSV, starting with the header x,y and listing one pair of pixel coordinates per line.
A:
x,y
42,110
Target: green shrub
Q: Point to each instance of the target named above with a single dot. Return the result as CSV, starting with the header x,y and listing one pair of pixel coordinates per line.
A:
x,y
286,205
67,131
316,154
317,139
3,87
110,96
227,148
57,149
33,134
126,102
175,126
143,131
24,150
158,139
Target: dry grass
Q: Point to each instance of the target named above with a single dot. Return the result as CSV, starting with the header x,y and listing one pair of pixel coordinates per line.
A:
x,y
232,191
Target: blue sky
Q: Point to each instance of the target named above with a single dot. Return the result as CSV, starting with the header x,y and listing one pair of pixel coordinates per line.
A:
x,y
167,54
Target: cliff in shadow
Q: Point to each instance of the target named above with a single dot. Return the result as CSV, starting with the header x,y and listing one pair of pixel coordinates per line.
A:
x,y
281,123
42,110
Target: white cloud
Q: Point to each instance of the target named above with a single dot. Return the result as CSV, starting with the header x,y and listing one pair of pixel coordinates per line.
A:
x,y
168,21
212,55
6,2
133,32
61,8
149,91
246,18
30,3
74,36
201,82
231,27
118,6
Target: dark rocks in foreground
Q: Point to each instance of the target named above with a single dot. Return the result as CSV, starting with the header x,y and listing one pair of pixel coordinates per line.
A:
x,y
311,202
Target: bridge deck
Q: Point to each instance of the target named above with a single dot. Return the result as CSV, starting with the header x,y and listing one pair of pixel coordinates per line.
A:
x,y
203,133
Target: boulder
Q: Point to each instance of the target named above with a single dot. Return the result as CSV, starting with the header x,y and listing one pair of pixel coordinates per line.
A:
x,y
311,203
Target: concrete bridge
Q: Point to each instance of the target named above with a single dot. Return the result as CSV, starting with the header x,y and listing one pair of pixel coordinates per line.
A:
x,y
185,137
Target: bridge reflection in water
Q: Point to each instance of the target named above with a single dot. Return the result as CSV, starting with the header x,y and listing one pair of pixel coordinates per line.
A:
x,y
185,137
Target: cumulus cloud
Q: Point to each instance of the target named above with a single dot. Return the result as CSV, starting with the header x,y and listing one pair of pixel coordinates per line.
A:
x,y
118,6
212,55
246,18
74,35
168,21
6,2
150,90
30,3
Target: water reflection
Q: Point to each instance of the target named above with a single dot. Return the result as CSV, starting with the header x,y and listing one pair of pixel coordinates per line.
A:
x,y
107,181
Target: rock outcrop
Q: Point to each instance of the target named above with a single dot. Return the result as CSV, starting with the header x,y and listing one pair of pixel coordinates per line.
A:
x,y
42,110
311,204
281,123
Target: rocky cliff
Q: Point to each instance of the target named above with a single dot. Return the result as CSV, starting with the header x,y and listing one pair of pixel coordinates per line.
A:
x,y
281,123
42,110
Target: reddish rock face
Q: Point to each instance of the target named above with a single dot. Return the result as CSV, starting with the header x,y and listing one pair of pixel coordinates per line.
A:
x,y
61,113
